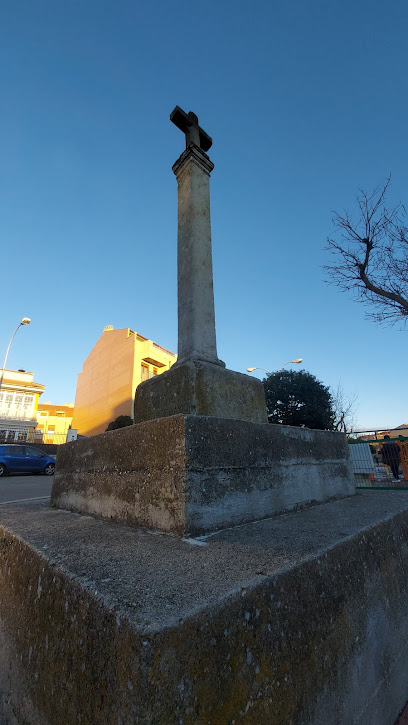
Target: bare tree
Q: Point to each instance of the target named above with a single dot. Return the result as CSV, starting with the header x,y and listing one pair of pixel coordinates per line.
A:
x,y
370,256
345,408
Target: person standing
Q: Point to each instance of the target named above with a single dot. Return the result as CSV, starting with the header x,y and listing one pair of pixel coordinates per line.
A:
x,y
391,456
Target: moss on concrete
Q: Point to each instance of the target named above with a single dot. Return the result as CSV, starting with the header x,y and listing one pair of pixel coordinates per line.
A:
x,y
201,388
188,475
325,634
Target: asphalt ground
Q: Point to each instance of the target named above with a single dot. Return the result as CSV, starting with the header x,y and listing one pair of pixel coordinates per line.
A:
x,y
24,487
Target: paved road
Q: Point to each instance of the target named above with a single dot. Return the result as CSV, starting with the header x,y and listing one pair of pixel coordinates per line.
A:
x,y
20,488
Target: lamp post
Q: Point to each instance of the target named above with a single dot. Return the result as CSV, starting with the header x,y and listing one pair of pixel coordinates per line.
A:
x,y
251,370
24,321
298,360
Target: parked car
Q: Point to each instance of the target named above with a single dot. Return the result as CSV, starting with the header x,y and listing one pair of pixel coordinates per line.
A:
x,y
25,459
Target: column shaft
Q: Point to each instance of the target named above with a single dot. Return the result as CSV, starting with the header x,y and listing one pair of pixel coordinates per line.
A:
x,y
196,316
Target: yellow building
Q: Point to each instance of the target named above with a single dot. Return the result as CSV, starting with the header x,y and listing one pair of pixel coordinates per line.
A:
x,y
19,396
53,422
120,360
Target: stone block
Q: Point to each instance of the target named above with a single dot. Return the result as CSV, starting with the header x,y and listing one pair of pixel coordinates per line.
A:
x,y
196,387
188,475
299,619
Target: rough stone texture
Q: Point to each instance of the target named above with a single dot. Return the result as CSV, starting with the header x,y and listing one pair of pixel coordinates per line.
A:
x,y
191,474
199,388
198,383
196,316
133,474
296,620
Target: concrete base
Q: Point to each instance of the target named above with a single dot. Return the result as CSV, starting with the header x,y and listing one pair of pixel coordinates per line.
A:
x,y
299,619
195,387
188,475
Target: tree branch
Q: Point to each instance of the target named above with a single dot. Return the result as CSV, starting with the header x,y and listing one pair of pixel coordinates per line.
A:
x,y
371,255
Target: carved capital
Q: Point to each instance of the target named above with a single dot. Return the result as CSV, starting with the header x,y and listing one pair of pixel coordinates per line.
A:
x,y
195,155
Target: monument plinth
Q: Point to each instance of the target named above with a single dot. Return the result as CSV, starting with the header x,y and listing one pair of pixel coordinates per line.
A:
x,y
202,455
198,384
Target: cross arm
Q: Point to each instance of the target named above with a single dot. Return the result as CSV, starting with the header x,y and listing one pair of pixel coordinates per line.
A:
x,y
188,124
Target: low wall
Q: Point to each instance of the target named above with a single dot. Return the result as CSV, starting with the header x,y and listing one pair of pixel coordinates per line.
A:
x,y
299,620
50,448
188,475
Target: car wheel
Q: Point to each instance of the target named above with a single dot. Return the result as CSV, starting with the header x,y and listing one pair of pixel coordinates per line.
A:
x,y
3,470
49,469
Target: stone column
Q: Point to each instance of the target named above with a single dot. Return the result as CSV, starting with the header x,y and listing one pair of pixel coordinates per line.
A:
x,y
198,384
196,316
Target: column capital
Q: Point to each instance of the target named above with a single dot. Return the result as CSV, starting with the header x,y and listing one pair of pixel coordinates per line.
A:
x,y
196,155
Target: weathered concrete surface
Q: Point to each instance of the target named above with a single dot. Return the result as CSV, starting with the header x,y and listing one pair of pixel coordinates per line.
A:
x,y
199,388
198,383
297,620
196,316
190,474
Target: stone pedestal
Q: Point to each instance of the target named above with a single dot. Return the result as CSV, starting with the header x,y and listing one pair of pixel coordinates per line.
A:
x,y
188,475
199,388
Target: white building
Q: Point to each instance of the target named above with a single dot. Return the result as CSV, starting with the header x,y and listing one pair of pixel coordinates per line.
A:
x,y
19,396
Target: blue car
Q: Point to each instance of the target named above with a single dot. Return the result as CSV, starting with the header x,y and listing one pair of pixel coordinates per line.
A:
x,y
25,459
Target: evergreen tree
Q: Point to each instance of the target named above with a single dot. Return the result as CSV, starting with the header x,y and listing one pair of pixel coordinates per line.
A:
x,y
120,422
298,398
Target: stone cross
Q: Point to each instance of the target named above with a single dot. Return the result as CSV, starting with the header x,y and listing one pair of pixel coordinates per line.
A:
x,y
188,124
196,315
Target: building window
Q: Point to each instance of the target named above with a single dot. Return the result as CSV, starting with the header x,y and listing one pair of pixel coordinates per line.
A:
x,y
43,413
144,372
51,430
28,404
60,414
16,405
154,371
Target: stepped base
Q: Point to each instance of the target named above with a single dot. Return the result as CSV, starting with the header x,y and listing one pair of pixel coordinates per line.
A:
x,y
188,475
301,618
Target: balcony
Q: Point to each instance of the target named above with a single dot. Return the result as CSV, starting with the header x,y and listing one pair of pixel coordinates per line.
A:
x,y
17,417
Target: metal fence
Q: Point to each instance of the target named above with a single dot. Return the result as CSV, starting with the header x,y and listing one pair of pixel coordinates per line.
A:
x,y
24,435
375,463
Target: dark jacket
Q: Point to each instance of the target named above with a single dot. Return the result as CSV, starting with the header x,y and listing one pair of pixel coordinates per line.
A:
x,y
390,452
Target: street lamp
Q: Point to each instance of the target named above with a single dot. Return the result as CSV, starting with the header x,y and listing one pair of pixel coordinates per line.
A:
x,y
24,321
297,361
251,370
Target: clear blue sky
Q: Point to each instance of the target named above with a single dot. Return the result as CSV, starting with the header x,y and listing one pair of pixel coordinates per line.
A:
x,y
305,101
